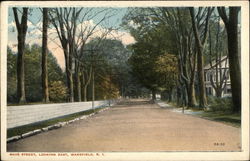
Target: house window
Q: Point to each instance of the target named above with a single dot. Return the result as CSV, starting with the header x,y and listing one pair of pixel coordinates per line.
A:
x,y
228,90
208,76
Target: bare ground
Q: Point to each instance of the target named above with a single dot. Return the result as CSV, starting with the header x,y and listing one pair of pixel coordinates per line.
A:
x,y
135,125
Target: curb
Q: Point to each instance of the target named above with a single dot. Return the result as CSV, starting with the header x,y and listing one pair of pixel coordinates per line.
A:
x,y
52,127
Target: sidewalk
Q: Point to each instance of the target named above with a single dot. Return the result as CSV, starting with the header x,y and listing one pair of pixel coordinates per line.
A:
x,y
179,110
229,119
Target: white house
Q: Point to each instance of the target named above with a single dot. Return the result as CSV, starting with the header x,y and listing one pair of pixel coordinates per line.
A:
x,y
217,75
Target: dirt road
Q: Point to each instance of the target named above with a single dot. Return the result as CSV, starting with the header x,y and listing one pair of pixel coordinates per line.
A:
x,y
135,125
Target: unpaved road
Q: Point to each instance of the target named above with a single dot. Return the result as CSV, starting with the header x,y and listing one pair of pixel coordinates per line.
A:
x,y
135,125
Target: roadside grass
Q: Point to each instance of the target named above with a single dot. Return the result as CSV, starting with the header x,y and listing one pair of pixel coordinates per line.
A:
x,y
233,119
26,128
223,115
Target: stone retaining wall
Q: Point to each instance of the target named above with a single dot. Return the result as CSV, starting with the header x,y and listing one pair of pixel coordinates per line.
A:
x,y
27,114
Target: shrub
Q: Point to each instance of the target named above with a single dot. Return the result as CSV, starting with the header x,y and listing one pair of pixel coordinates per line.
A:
x,y
57,91
220,104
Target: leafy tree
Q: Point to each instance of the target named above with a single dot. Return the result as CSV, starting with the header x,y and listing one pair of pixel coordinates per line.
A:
x,y
106,89
11,76
151,41
73,33
166,69
179,22
107,60
32,67
180,42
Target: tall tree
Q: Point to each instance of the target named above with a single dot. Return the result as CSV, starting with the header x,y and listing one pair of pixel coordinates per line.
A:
x,y
44,56
74,27
21,35
178,21
200,34
166,68
231,23
64,21
32,68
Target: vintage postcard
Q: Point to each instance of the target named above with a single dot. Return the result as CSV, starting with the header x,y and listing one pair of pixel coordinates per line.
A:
x,y
125,80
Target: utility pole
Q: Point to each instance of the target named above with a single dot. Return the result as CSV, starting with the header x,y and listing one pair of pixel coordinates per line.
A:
x,y
93,88
110,71
93,61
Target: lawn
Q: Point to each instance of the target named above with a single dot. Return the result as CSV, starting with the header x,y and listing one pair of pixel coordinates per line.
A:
x,y
233,119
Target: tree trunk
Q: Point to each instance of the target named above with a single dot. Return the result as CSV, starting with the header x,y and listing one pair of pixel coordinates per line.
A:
x,y
78,96
44,56
77,82
79,89
153,95
179,95
200,63
84,88
86,78
66,38
231,24
71,87
191,96
21,34
234,60
218,92
203,99
85,93
170,95
69,74
93,88
20,70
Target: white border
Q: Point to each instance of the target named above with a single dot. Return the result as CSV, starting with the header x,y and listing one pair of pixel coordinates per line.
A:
x,y
244,155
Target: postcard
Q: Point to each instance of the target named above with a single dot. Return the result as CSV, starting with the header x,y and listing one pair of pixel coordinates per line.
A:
x,y
125,80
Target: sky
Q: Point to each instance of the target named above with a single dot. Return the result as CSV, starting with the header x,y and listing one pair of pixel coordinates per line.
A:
x,y
34,33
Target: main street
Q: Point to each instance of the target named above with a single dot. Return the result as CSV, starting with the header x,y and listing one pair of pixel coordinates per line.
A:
x,y
135,125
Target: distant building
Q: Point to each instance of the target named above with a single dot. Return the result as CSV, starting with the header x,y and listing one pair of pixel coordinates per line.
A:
x,y
223,77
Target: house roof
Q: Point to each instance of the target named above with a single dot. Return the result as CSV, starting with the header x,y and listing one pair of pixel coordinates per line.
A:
x,y
214,63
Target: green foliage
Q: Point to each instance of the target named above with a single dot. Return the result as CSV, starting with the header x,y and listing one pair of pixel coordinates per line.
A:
x,y
32,63
146,57
153,39
113,73
32,67
11,75
57,91
220,104
107,89
166,68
